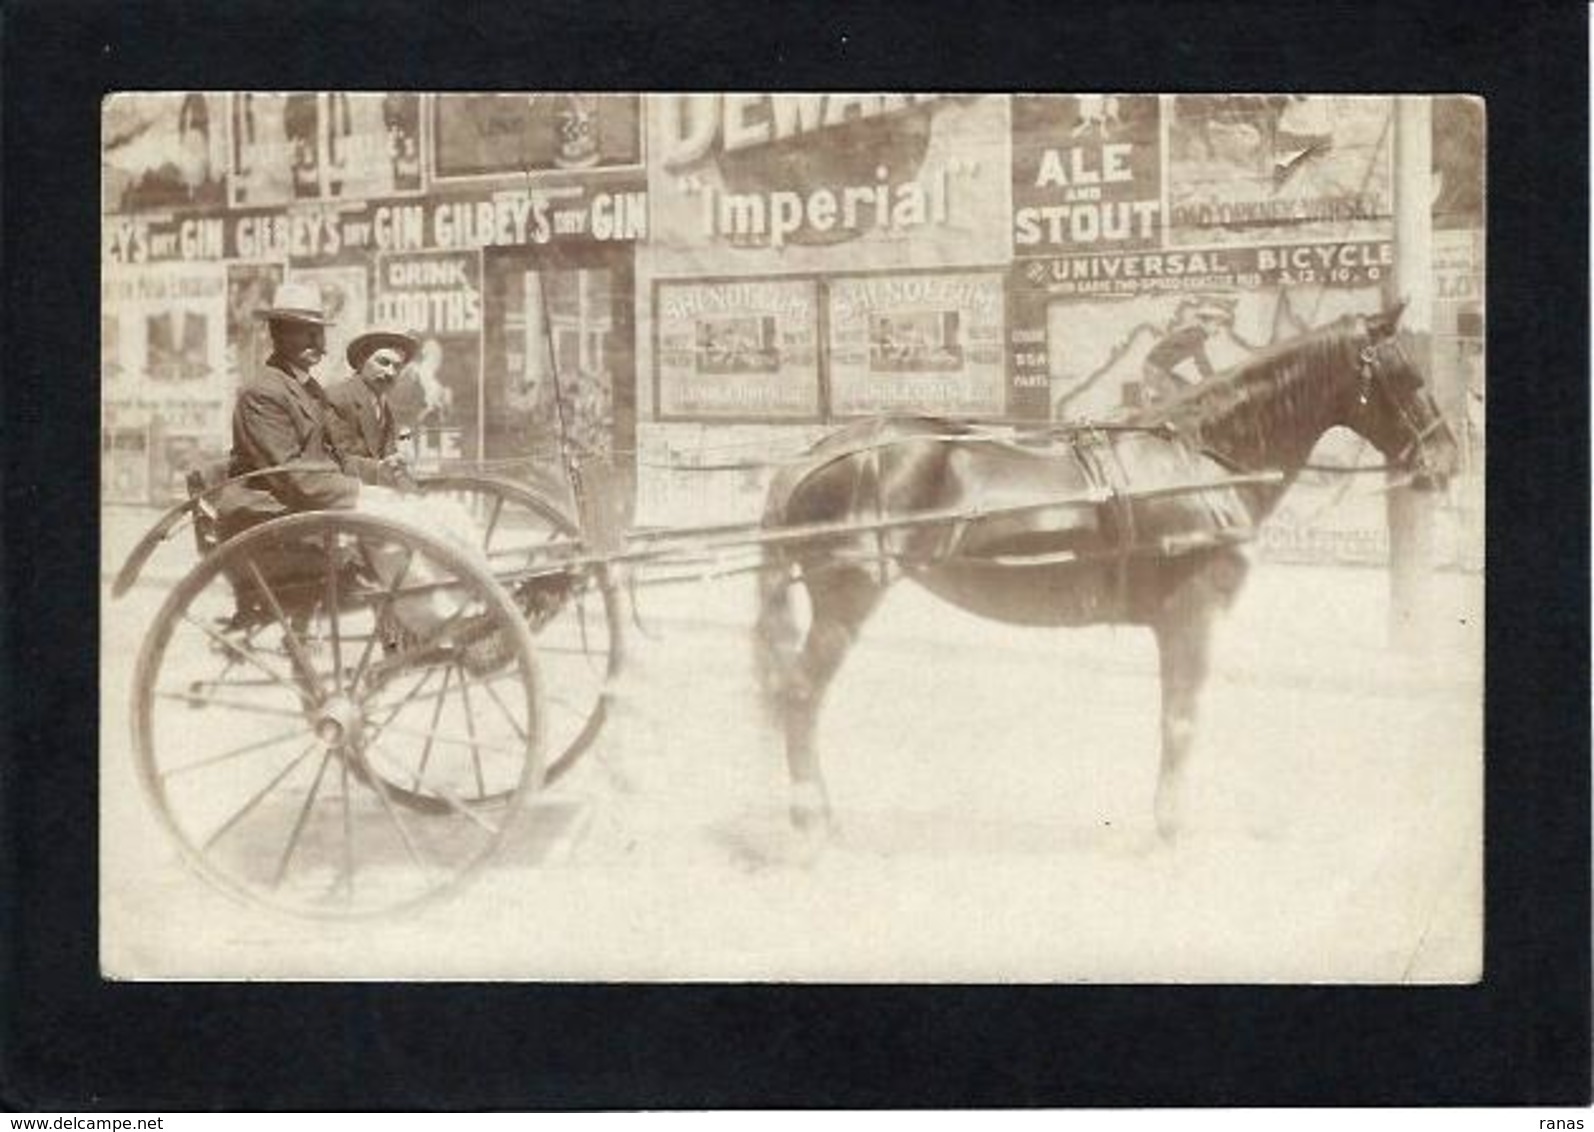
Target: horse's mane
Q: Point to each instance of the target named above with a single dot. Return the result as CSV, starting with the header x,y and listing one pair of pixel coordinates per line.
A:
x,y
1283,370
1266,402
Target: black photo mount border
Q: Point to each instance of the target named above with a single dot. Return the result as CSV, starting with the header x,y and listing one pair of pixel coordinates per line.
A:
x,y
1519,1037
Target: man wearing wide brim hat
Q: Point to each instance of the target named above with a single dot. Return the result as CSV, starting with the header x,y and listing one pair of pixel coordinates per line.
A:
x,y
360,424
279,418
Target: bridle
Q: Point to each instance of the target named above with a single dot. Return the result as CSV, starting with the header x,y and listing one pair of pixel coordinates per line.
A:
x,y
1369,381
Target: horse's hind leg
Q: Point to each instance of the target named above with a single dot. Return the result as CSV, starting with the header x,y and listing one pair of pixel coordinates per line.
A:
x,y
841,599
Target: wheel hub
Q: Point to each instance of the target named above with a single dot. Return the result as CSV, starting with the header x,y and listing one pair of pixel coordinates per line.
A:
x,y
338,722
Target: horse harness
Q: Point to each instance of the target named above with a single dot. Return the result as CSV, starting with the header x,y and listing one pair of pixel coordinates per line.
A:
x,y
1095,451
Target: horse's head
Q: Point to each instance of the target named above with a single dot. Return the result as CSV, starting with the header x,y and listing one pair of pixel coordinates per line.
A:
x,y
1394,409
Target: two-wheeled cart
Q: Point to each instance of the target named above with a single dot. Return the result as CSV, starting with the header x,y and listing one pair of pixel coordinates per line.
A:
x,y
338,713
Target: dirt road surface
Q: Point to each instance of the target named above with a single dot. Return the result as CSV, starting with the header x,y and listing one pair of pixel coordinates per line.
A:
x,y
992,790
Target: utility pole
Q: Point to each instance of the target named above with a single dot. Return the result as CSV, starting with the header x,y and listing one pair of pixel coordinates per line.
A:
x,y
1410,513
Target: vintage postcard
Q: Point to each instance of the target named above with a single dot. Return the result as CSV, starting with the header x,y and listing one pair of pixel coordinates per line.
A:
x,y
860,538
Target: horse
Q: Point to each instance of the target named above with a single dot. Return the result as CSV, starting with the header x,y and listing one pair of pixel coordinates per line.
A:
x,y
1140,521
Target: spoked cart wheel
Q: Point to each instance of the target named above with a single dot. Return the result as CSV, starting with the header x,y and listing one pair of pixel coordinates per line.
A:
x,y
574,615
337,714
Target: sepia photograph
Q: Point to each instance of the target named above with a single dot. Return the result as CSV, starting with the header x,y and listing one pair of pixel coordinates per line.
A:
x,y
822,538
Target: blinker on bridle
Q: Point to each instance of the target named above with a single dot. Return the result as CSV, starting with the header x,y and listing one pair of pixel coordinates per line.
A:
x,y
1364,391
1367,357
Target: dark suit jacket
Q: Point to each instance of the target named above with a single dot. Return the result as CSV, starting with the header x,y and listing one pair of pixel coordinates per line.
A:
x,y
279,420
360,431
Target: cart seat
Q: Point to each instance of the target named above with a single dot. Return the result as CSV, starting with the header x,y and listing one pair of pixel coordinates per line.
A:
x,y
295,568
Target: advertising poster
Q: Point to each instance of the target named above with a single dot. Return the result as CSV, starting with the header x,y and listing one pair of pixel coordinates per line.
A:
x,y
921,343
118,375
1087,172
275,144
813,181
1115,330
370,145
742,349
1342,263
1457,364
124,464
615,212
163,151
1457,128
133,238
250,288
692,473
110,348
1327,521
1115,351
437,296
1253,168
345,297
327,146
165,355
491,135
554,331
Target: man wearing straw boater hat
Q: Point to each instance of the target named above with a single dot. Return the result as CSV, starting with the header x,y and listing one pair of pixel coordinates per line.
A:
x,y
279,421
360,425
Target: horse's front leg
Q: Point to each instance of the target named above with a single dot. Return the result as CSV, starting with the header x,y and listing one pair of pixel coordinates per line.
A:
x,y
1183,627
1184,646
